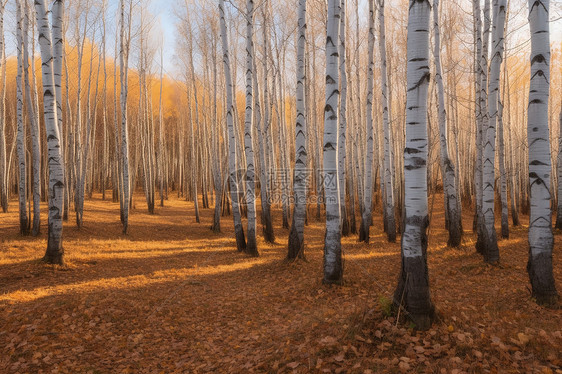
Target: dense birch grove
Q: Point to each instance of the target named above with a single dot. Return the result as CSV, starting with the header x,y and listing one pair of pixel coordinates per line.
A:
x,y
298,111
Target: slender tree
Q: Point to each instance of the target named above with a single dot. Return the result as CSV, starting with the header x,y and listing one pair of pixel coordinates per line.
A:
x,y
412,292
366,215
447,167
124,46
541,240
55,252
333,269
21,133
342,172
251,245
233,179
389,218
490,249
296,236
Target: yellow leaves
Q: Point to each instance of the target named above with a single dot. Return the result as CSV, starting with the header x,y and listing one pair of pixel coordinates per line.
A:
x,y
450,328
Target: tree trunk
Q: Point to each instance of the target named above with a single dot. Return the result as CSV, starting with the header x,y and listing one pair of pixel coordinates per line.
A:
x,y
490,245
366,215
238,229
55,252
21,143
333,270
503,176
342,172
124,44
412,292
541,240
390,221
251,245
447,167
34,128
296,235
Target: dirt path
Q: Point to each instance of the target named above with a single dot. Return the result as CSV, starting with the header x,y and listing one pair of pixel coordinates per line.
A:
x,y
173,297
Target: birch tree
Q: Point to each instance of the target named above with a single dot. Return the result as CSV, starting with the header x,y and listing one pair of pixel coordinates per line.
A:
x,y
238,229
124,46
251,245
33,127
366,215
389,219
55,251
412,291
333,270
262,127
21,133
447,167
343,122
541,240
296,235
490,249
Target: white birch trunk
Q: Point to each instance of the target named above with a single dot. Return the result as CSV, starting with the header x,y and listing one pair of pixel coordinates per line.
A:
x,y
477,112
541,240
55,252
503,176
296,236
20,139
366,214
34,127
124,74
161,161
333,270
239,230
263,143
412,292
484,118
447,166
58,53
390,221
490,249
251,245
342,154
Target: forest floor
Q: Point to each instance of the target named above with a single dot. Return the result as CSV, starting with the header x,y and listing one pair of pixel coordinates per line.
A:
x,y
171,296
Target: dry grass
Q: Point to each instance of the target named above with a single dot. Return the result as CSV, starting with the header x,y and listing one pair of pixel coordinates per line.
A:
x,y
171,296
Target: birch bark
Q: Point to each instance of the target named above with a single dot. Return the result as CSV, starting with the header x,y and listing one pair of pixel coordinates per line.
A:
x,y
296,236
251,245
447,167
412,292
20,139
541,240
389,217
366,215
333,270
238,228
55,251
490,245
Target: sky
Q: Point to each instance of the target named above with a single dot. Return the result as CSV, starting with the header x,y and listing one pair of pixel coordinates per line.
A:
x,y
165,24
163,12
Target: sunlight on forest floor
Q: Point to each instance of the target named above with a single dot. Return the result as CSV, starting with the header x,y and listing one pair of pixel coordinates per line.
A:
x,y
171,296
